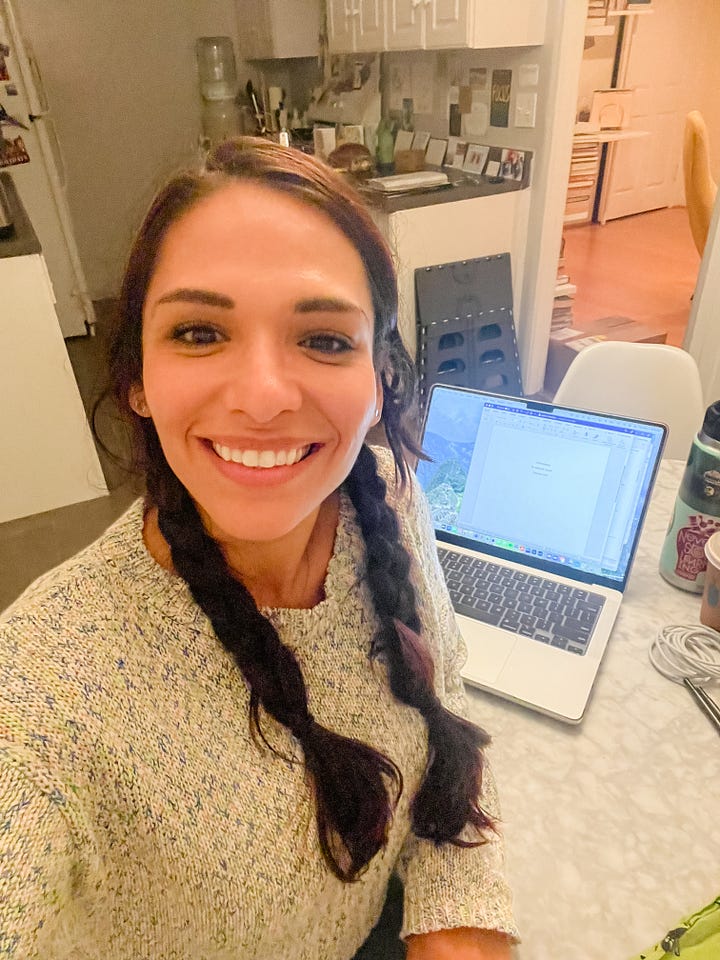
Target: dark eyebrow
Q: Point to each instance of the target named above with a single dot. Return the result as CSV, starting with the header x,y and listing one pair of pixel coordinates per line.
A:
x,y
326,305
205,297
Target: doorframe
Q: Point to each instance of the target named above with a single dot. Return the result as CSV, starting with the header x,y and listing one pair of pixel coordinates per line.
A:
x,y
562,56
702,337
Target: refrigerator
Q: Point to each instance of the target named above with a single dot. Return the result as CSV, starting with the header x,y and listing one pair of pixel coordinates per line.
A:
x,y
40,179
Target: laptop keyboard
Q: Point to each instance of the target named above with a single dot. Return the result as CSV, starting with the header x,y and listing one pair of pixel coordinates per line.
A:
x,y
524,603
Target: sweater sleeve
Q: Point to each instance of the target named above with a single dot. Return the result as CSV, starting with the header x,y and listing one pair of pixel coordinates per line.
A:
x,y
448,886
35,864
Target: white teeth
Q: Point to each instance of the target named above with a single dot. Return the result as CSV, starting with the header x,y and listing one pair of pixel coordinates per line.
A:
x,y
261,458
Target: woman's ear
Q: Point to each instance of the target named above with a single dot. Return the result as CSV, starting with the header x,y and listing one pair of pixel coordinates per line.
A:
x,y
378,401
137,401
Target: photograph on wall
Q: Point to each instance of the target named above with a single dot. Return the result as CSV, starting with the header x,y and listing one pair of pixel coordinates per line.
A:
x,y
4,52
477,154
500,98
478,78
512,164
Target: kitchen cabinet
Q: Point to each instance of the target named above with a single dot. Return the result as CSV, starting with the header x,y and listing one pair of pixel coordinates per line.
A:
x,y
278,28
428,24
434,24
356,26
49,458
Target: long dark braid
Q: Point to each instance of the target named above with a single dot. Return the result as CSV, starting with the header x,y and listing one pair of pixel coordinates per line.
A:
x,y
448,796
355,786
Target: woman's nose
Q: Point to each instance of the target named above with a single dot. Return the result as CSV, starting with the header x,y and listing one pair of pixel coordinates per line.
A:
x,y
262,383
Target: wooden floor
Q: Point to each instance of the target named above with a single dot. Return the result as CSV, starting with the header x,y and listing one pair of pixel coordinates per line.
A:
x,y
642,267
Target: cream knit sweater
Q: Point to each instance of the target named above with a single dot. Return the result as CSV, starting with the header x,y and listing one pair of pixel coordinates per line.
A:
x,y
138,818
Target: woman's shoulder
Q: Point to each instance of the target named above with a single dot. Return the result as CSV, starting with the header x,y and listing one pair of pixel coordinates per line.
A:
x,y
407,499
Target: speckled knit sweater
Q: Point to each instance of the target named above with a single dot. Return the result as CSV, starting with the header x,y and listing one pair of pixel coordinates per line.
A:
x,y
138,818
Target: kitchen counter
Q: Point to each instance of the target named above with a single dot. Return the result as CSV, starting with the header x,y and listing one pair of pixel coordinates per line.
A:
x,y
463,186
24,241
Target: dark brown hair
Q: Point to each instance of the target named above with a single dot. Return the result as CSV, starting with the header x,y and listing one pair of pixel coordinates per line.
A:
x,y
355,786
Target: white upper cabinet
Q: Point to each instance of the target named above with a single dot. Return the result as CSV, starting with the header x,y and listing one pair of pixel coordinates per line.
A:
x,y
356,25
446,23
434,24
406,23
370,25
278,28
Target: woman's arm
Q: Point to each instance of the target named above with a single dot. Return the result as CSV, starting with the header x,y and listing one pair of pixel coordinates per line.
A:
x,y
35,864
462,943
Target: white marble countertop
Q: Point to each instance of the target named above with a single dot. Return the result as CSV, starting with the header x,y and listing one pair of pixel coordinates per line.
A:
x,y
613,826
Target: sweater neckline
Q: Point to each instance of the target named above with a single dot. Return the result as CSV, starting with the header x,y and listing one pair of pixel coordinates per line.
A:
x,y
124,551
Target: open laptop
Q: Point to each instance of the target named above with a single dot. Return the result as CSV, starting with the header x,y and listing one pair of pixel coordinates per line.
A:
x,y
537,512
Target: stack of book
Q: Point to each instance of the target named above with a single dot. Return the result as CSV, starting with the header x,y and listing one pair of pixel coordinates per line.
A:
x,y
564,295
597,8
582,182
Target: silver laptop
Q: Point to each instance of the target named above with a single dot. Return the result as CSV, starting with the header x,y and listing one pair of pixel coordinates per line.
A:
x,y
537,512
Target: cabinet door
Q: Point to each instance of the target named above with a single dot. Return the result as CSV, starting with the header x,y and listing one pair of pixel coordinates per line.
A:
x,y
278,28
370,25
405,22
340,25
446,23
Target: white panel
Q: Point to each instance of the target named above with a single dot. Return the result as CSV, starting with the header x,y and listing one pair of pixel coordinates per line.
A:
x,y
48,455
444,232
512,23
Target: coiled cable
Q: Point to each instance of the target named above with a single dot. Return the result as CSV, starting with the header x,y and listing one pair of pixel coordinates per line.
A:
x,y
683,653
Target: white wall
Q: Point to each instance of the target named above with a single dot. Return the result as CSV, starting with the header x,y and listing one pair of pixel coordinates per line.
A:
x,y
702,339
122,82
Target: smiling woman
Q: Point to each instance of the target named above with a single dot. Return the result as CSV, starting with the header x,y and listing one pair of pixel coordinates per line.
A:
x,y
230,720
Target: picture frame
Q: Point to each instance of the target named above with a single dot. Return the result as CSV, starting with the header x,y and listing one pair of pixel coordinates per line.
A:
x,y
435,153
512,164
476,158
403,140
420,140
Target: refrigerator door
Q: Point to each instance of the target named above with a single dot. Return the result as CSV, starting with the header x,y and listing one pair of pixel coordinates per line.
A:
x,y
40,182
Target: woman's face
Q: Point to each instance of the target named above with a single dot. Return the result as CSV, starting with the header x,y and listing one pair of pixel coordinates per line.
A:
x,y
258,359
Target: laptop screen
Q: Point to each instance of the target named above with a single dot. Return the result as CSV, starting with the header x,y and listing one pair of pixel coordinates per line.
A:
x,y
560,489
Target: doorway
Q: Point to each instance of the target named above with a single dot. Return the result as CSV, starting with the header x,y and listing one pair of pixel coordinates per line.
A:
x,y
627,261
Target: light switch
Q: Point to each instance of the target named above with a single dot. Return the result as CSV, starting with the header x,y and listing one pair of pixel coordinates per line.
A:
x,y
525,108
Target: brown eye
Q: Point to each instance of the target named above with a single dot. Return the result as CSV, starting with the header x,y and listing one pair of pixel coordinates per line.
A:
x,y
328,343
196,335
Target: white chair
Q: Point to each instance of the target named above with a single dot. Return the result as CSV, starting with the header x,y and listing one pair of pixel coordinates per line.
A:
x,y
650,381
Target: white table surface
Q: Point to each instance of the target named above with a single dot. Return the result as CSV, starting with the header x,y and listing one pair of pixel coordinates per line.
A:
x,y
613,826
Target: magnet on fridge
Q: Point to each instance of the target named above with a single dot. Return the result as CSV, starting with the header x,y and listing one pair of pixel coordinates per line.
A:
x,y
4,52
8,121
13,152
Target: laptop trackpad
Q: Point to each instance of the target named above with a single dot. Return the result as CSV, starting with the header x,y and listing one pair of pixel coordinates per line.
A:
x,y
488,650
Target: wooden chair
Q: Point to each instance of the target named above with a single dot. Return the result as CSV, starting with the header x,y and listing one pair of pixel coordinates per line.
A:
x,y
700,188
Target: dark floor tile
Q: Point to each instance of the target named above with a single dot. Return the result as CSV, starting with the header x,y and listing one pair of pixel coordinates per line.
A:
x,y
33,545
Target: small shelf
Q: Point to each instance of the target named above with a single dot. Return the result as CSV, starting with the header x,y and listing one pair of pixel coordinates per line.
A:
x,y
596,28
629,13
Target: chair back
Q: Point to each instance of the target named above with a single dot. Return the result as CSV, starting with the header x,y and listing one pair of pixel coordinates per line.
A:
x,y
649,381
700,188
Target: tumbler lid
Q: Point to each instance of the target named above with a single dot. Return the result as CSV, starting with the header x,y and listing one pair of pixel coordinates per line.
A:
x,y
711,423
